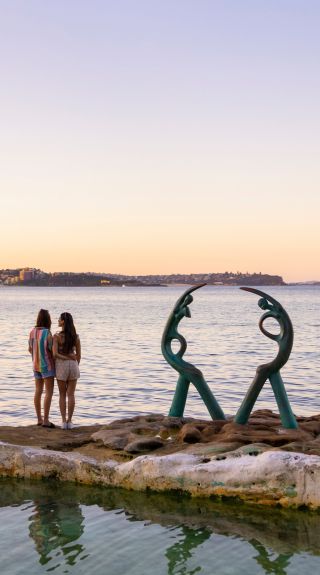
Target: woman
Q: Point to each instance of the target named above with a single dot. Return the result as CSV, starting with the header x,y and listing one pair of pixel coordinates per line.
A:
x,y
40,347
67,354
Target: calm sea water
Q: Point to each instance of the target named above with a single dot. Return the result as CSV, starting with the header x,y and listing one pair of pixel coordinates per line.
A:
x,y
65,528
123,372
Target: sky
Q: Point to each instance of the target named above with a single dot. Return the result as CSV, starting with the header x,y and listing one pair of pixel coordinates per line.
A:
x,y
160,136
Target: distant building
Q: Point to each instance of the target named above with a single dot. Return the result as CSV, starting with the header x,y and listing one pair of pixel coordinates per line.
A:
x,y
26,275
11,280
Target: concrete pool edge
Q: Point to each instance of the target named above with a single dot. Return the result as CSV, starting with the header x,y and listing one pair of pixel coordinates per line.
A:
x,y
273,478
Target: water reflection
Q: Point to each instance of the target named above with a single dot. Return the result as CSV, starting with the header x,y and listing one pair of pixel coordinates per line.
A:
x,y
196,531
54,525
179,553
275,566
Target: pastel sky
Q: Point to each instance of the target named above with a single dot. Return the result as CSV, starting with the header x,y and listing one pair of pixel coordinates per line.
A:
x,y
160,136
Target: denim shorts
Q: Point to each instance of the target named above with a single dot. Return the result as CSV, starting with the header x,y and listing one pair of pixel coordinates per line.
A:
x,y
44,375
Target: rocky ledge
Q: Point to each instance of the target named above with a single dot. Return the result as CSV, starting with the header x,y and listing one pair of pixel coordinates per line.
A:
x,y
260,462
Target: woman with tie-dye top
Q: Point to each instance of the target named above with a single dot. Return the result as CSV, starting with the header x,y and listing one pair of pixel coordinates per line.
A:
x,y
40,347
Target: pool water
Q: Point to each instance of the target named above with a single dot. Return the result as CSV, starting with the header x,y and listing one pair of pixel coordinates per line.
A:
x,y
64,528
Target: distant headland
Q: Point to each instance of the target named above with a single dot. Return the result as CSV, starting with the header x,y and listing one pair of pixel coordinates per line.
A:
x,y
37,277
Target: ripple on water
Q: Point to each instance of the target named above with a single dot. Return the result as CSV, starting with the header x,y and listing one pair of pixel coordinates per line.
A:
x,y
123,370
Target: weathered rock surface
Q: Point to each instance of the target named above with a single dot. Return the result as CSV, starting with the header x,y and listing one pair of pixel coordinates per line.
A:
x,y
269,478
259,462
142,445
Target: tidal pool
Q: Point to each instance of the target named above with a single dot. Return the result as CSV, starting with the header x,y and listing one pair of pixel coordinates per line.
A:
x,y
66,528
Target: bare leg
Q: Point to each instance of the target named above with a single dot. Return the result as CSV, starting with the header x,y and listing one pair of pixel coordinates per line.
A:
x,y
37,398
62,398
48,382
71,386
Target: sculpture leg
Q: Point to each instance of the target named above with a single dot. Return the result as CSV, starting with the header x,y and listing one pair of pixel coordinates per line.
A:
x,y
287,418
180,397
250,398
207,396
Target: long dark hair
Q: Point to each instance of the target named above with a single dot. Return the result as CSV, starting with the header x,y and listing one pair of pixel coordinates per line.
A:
x,y
69,331
43,319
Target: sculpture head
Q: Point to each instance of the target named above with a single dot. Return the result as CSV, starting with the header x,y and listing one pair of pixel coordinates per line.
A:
x,y
263,303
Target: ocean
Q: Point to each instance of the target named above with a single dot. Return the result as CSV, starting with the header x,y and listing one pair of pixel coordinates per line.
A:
x,y
123,372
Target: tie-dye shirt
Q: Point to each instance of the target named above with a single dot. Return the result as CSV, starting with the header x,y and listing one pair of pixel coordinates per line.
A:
x,y
40,342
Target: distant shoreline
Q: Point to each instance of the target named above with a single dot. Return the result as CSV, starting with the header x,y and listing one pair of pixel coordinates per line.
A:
x,y
36,277
32,277
180,285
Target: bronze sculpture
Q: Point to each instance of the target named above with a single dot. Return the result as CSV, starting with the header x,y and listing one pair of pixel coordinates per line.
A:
x,y
188,373
271,370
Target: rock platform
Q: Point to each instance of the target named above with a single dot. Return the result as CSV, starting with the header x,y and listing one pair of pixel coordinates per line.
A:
x,y
260,462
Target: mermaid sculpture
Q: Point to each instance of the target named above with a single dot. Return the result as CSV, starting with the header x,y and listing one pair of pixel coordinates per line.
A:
x,y
187,372
271,370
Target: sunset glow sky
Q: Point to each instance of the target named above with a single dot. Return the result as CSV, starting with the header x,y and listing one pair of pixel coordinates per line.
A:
x,y
160,136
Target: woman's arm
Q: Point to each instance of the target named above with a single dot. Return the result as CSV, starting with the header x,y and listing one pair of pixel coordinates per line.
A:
x,y
78,349
55,344
56,353
30,342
